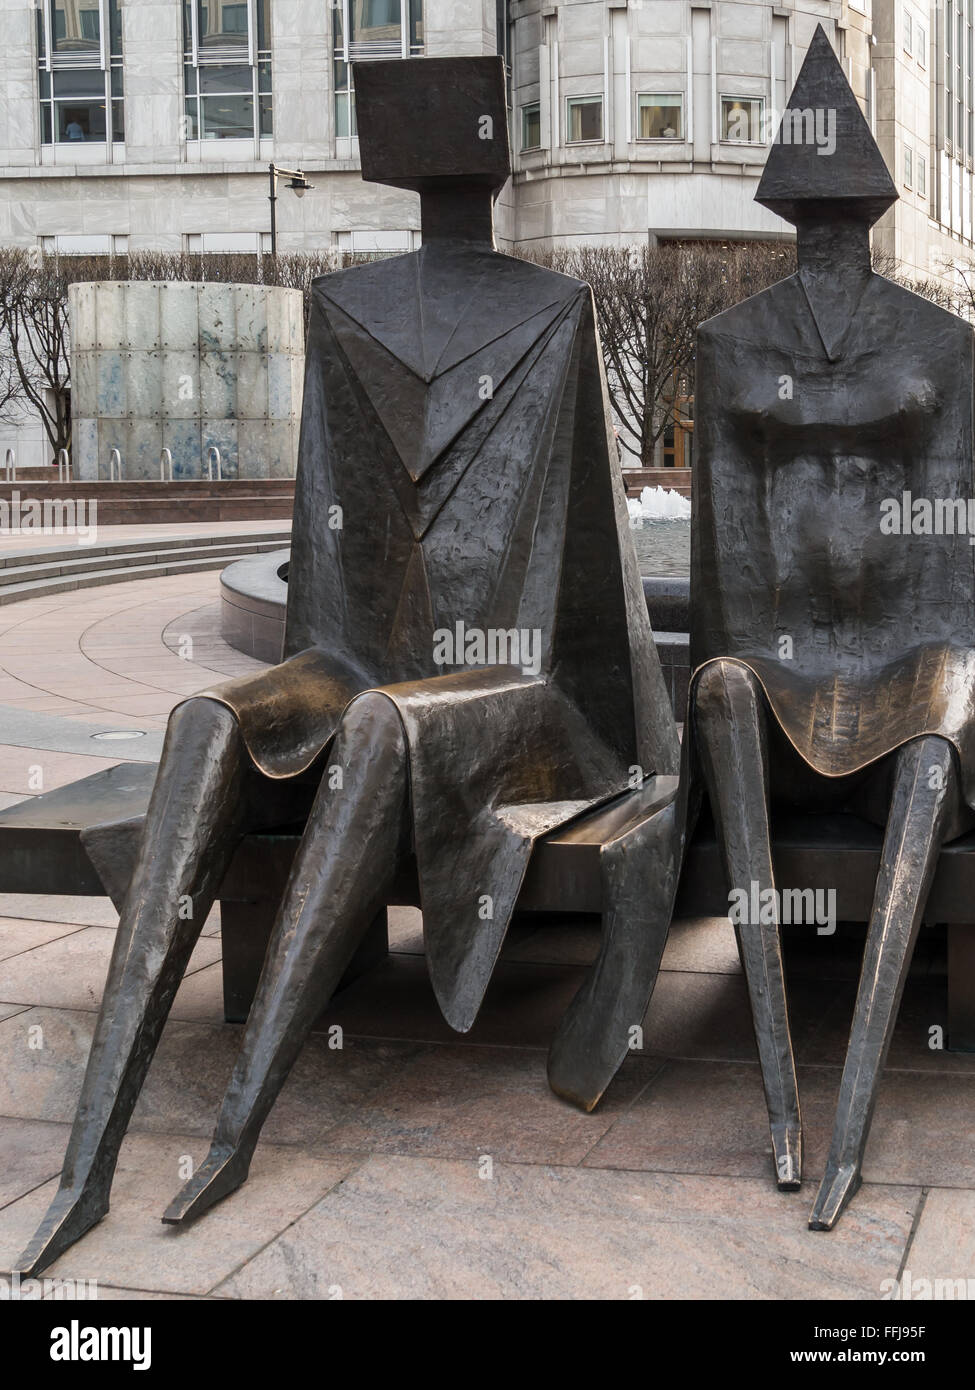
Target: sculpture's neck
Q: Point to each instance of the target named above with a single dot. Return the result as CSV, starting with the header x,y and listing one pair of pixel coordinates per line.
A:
x,y
464,215
839,249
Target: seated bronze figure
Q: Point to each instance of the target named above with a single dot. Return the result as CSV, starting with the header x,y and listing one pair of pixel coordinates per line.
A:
x,y
469,661
833,662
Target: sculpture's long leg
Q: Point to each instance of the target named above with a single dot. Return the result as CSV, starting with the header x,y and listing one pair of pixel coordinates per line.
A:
x,y
924,794
731,726
192,827
348,857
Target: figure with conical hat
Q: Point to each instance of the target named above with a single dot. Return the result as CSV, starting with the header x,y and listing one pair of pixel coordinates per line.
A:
x,y
469,662
833,663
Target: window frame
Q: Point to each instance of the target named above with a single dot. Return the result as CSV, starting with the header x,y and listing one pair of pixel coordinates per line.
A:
x,y
103,57
253,60
907,31
681,136
345,50
526,107
589,99
907,170
730,140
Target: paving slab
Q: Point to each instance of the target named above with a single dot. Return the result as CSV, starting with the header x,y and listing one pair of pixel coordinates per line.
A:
x,y
31,1153
428,1228
942,1251
709,1117
41,1075
131,1247
458,1102
70,972
19,935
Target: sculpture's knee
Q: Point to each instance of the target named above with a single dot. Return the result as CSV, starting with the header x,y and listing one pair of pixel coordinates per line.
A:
x,y
372,732
726,690
201,721
932,756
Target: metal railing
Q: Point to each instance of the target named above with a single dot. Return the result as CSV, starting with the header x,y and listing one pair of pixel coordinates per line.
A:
x,y
165,463
64,466
10,466
214,453
114,462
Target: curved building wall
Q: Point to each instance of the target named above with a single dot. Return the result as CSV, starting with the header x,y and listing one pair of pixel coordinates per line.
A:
x,y
184,366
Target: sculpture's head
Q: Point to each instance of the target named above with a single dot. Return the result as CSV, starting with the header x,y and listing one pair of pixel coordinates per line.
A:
x,y
825,166
439,126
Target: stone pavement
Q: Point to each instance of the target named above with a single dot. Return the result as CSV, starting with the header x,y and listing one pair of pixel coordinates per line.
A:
x,y
413,1163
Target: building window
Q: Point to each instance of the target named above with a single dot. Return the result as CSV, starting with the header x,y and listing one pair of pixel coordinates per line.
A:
x,y
364,29
80,79
907,31
743,120
922,176
921,44
660,116
584,120
908,166
373,245
531,126
227,69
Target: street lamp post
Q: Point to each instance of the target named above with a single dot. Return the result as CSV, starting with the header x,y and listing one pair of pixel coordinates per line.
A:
x,y
296,181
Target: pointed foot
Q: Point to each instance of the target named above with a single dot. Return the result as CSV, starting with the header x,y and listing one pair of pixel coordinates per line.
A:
x,y
221,1172
787,1153
840,1183
72,1213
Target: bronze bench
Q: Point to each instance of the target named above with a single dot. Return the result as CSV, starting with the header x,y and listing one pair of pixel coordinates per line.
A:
x,y
40,847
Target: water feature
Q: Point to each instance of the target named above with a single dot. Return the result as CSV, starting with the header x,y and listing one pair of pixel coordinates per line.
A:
x,y
660,520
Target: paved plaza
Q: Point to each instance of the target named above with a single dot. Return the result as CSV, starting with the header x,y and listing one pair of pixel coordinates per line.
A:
x,y
412,1162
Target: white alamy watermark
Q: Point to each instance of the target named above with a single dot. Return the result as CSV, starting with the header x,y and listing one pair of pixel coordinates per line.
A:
x,y
50,516
908,515
808,125
77,1343
910,1289
493,646
16,1289
758,906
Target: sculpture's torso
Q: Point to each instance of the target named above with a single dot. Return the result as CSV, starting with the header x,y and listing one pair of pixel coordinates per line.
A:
x,y
861,637
443,376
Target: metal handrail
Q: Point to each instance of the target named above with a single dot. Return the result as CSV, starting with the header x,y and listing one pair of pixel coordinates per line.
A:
x,y
114,461
10,466
165,461
64,466
214,452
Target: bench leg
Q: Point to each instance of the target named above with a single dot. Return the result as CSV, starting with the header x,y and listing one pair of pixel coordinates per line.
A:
x,y
961,986
245,929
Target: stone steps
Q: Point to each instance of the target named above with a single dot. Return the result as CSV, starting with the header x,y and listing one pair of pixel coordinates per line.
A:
x,y
35,574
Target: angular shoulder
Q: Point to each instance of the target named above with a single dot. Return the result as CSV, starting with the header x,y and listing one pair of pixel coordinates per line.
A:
x,y
931,318
336,282
743,318
558,284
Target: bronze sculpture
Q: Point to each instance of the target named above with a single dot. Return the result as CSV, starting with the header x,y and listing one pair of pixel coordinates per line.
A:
x,y
833,663
457,505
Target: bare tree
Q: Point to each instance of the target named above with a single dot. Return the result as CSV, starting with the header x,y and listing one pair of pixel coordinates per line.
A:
x,y
12,402
649,302
33,320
